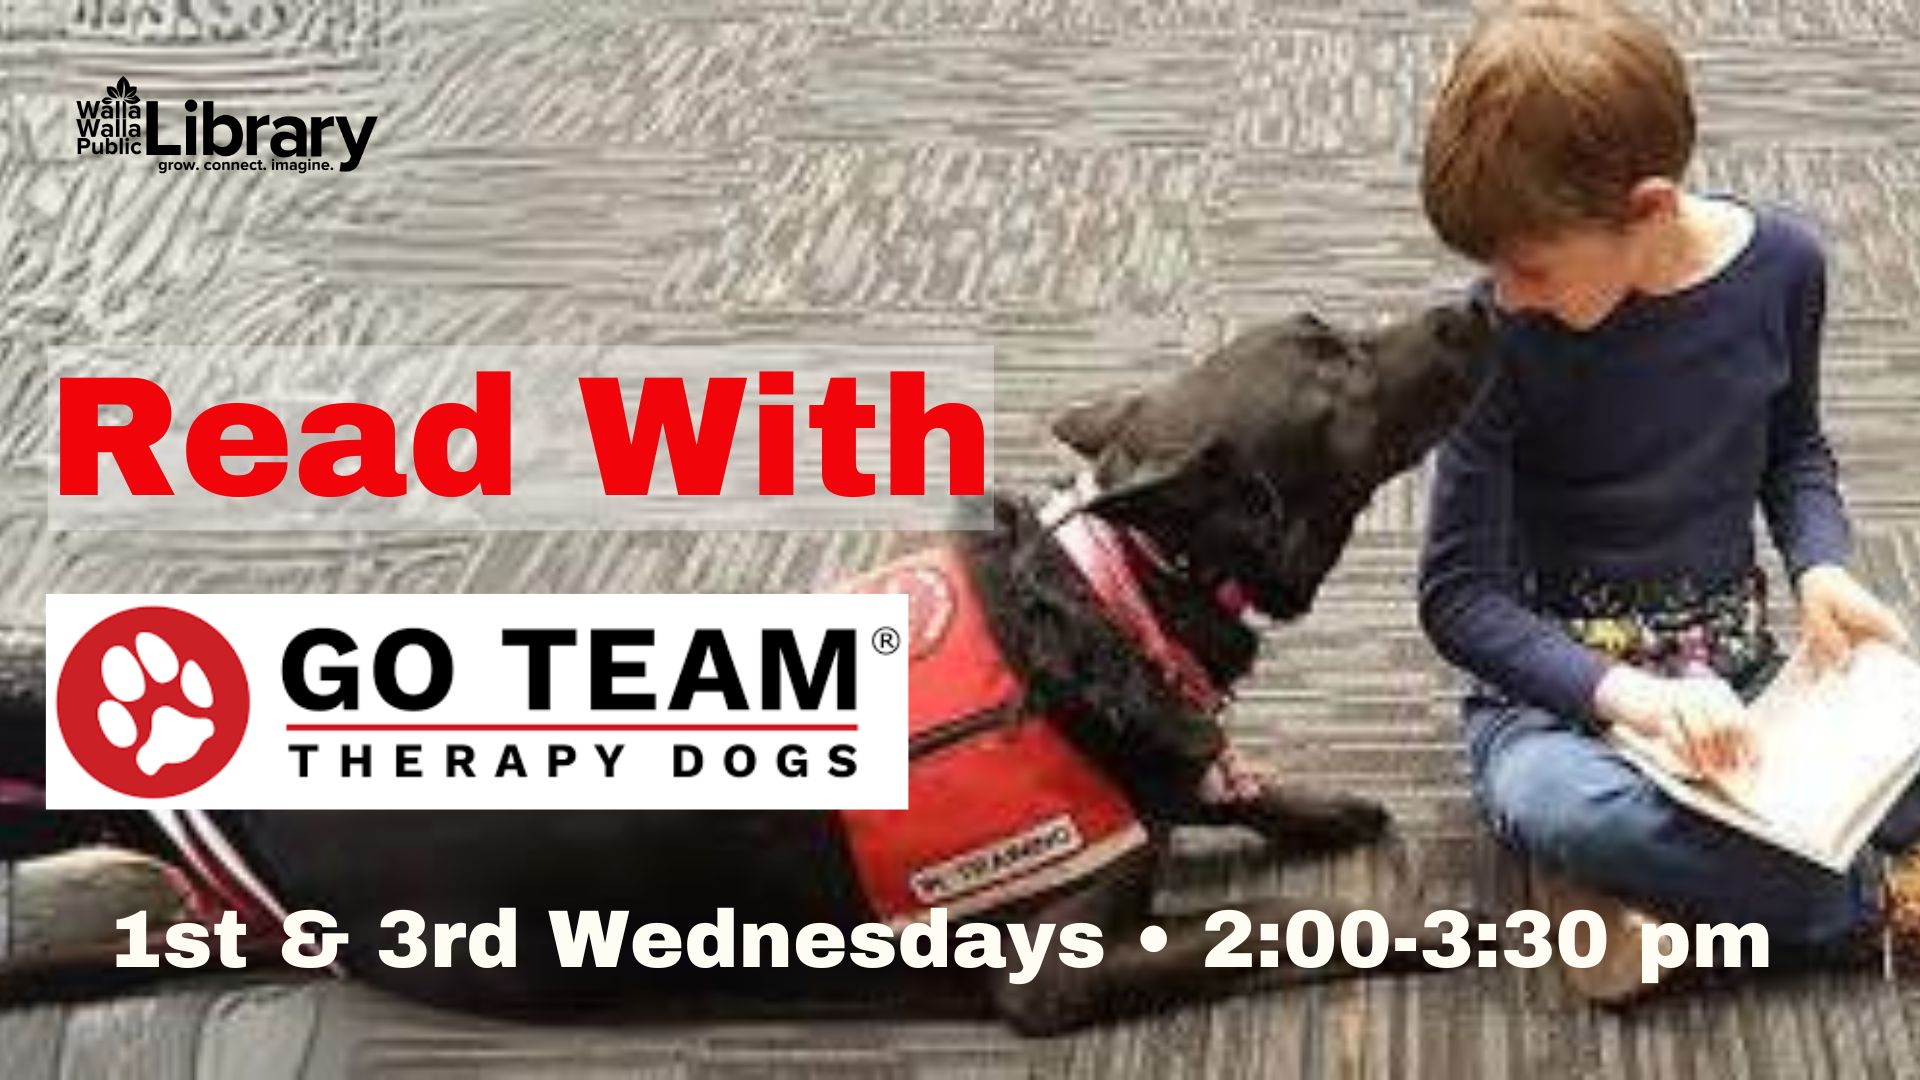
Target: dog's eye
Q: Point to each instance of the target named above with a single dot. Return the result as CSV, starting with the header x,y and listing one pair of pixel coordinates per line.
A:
x,y
1323,347
1332,349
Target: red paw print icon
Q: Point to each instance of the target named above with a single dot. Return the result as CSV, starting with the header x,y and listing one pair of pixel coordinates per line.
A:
x,y
152,702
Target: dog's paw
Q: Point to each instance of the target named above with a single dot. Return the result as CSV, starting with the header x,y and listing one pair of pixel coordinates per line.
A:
x,y
1344,819
169,736
1297,821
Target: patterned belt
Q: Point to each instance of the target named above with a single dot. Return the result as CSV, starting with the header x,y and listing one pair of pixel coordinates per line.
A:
x,y
1675,626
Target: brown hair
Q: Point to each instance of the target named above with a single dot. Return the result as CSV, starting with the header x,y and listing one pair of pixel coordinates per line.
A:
x,y
1553,111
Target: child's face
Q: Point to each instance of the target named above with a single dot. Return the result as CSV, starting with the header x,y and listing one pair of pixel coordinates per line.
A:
x,y
1578,276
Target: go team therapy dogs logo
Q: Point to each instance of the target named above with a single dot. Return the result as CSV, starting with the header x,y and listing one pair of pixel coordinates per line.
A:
x,y
213,140
527,701
153,702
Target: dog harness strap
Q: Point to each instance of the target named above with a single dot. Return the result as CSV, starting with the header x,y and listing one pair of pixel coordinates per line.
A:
x,y
216,880
22,793
1065,503
1098,550
217,872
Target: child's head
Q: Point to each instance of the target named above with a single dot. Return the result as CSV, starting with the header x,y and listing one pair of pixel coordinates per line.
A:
x,y
1555,152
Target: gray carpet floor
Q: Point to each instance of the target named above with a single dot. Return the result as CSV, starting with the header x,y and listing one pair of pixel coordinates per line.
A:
x,y
1099,188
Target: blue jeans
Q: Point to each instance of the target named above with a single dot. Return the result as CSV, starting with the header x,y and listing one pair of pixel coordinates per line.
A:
x,y
1560,795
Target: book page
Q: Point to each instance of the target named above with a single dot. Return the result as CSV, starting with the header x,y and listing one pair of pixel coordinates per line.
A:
x,y
1690,788
1835,750
1831,742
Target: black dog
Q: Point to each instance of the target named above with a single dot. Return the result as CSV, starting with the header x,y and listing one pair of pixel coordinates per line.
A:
x,y
1118,612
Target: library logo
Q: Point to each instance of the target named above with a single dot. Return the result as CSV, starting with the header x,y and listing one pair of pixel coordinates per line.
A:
x,y
200,137
111,124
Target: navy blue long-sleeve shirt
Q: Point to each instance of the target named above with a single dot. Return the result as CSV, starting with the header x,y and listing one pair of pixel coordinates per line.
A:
x,y
1635,451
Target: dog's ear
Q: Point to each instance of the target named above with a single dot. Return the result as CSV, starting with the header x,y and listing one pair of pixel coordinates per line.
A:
x,y
1126,480
1089,428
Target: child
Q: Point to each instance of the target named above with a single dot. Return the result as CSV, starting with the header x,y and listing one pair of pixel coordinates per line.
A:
x,y
1589,555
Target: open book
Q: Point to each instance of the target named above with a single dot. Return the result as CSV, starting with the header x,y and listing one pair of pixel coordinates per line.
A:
x,y
1836,749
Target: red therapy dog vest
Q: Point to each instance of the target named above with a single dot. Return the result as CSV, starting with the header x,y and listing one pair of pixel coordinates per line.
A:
x,y
1001,805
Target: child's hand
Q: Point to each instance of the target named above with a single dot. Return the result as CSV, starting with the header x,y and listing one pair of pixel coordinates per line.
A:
x,y
1707,725
1837,612
1699,718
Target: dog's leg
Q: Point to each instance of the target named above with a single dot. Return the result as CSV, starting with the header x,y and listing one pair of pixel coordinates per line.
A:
x,y
1130,980
1292,819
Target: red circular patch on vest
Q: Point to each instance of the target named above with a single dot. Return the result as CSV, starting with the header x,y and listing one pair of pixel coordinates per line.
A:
x,y
930,603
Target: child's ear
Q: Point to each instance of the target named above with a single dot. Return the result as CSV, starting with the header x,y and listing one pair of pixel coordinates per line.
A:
x,y
1655,198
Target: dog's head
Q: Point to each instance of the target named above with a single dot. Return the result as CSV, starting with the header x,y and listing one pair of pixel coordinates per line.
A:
x,y
1252,465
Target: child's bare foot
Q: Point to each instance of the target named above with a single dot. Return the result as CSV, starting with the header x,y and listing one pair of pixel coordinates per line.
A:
x,y
1616,979
1893,936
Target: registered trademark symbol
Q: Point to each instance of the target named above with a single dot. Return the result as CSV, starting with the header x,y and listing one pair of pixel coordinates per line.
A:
x,y
886,640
